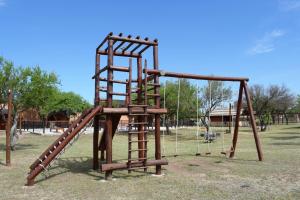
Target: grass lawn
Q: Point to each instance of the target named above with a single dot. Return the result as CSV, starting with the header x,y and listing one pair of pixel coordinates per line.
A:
x,y
186,176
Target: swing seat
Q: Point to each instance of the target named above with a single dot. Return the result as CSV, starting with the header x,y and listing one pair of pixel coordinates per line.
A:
x,y
198,154
207,153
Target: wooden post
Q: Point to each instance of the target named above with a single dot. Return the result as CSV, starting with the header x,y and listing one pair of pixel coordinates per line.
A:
x,y
96,118
157,116
108,174
8,127
237,120
253,123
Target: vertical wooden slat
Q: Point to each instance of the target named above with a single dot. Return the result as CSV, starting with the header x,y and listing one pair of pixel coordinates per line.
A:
x,y
96,118
157,116
108,174
140,101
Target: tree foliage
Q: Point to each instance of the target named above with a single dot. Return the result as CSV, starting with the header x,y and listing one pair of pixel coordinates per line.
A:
x,y
68,102
34,88
209,97
267,102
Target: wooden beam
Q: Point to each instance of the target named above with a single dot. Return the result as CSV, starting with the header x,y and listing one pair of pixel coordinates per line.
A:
x,y
253,123
116,166
237,120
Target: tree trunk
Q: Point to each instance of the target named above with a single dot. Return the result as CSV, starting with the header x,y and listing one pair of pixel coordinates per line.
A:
x,y
286,119
13,132
44,125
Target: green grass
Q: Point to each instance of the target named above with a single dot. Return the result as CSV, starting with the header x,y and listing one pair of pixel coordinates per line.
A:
x,y
186,176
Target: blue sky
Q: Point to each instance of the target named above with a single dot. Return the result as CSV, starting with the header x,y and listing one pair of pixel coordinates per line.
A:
x,y
253,38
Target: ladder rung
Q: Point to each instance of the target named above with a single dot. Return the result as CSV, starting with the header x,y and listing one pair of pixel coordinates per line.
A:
x,y
138,141
119,94
118,81
137,132
134,150
118,68
137,159
137,123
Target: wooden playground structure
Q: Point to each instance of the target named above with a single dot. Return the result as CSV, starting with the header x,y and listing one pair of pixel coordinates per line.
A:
x,y
140,88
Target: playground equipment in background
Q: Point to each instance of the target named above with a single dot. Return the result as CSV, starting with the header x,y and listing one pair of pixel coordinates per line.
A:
x,y
137,107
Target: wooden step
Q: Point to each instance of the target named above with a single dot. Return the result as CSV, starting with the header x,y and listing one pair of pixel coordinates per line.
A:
x,y
137,123
135,150
137,159
137,132
118,94
135,141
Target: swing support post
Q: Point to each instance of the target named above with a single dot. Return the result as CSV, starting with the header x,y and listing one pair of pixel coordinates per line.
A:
x,y
244,88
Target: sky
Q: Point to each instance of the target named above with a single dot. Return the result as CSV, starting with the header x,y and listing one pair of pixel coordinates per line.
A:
x,y
250,38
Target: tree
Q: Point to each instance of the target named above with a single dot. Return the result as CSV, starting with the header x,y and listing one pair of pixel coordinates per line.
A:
x,y
68,102
270,101
31,88
297,105
282,100
212,96
187,100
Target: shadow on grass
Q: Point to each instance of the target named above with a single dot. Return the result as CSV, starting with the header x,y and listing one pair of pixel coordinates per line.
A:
x,y
286,143
285,137
292,127
83,165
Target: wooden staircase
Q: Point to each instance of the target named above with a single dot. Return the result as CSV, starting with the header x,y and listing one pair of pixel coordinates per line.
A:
x,y
58,147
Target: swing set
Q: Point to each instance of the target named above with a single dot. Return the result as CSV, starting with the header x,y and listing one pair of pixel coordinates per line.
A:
x,y
140,79
210,134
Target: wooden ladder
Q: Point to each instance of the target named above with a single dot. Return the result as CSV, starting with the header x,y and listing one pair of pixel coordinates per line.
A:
x,y
138,126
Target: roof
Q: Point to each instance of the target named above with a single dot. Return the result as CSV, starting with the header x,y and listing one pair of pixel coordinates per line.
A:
x,y
223,112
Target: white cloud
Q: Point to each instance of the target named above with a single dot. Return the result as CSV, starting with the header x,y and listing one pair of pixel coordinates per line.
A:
x,y
2,3
288,5
266,43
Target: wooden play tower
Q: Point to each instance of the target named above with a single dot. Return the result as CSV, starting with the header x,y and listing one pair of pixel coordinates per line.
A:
x,y
136,93
141,92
